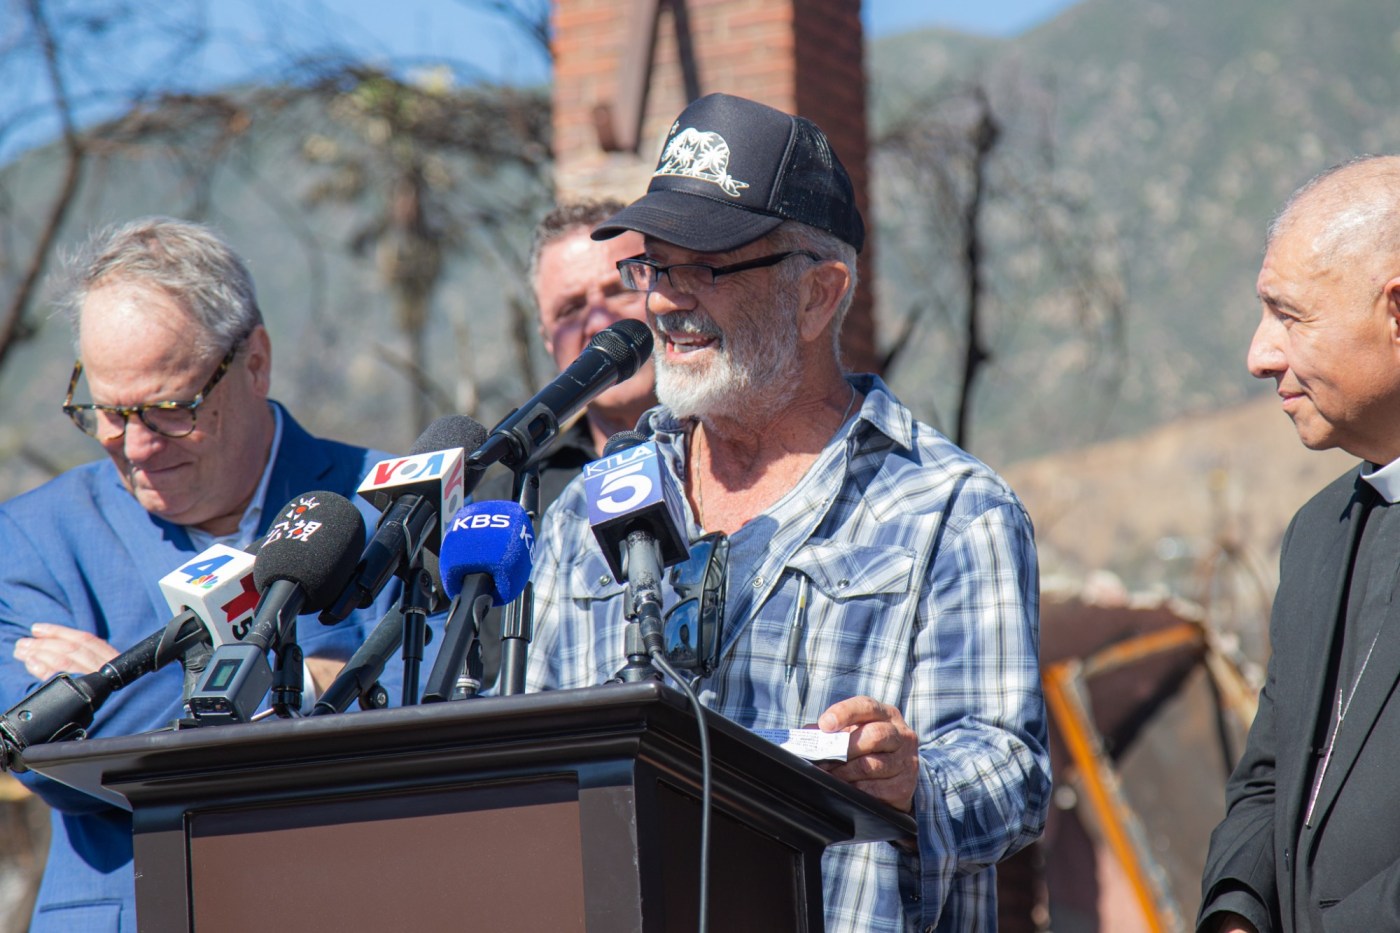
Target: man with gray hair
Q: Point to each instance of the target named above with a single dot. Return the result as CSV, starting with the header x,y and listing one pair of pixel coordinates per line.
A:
x,y
1311,839
881,581
171,379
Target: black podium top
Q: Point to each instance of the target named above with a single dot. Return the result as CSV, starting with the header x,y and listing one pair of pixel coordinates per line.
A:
x,y
588,731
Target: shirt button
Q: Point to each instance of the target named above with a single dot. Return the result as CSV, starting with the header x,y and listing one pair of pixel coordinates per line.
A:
x,y
604,580
842,583
758,582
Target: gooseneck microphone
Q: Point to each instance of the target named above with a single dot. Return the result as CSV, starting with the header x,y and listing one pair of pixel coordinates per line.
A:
x,y
64,707
486,559
305,561
613,355
212,597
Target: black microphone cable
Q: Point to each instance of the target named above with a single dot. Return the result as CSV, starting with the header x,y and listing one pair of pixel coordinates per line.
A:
x,y
656,650
648,532
658,657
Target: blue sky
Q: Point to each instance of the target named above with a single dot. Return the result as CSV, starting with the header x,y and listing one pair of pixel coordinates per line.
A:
x,y
438,28
250,38
989,17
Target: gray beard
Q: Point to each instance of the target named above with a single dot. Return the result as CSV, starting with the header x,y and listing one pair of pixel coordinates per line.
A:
x,y
748,378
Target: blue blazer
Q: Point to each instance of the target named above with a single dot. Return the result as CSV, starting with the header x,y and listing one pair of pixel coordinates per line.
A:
x,y
81,551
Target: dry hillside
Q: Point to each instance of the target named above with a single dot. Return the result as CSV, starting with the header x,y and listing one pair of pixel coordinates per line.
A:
x,y
1154,509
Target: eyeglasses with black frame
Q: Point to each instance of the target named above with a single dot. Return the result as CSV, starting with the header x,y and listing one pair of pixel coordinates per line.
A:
x,y
168,419
642,274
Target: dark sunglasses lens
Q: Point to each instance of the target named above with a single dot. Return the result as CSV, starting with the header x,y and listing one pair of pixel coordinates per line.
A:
x,y
682,634
693,625
690,573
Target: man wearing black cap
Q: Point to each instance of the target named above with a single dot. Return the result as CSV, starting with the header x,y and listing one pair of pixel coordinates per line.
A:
x,y
882,582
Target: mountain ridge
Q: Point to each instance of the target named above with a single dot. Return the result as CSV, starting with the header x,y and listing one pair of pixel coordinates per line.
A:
x,y
1169,133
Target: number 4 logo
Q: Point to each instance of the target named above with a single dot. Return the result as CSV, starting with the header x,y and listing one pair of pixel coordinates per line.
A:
x,y
201,568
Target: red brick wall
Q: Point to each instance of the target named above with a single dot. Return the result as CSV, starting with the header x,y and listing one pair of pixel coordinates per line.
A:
x,y
802,56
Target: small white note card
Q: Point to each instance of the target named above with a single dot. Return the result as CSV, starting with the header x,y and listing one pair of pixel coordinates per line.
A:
x,y
812,744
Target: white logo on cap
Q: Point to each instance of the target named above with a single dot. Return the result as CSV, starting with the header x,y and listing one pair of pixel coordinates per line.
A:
x,y
702,155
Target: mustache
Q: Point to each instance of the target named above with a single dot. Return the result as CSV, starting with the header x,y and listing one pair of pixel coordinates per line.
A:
x,y
689,323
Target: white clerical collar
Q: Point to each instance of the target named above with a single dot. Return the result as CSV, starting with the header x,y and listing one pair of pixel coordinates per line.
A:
x,y
1385,480
252,516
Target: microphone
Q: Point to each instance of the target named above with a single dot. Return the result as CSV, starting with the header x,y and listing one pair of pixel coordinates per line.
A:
x,y
635,513
306,559
492,538
213,597
629,489
487,554
623,440
359,679
64,707
218,585
416,495
613,355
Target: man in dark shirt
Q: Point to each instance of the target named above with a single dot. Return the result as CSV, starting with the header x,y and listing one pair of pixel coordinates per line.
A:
x,y
578,293
1311,838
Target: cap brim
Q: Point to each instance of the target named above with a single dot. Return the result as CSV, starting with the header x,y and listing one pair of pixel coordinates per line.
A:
x,y
689,221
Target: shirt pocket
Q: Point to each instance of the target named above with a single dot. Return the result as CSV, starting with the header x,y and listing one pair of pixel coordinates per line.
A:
x,y
855,631
91,917
593,652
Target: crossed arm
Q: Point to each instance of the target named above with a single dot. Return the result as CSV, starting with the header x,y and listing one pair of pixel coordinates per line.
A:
x,y
56,649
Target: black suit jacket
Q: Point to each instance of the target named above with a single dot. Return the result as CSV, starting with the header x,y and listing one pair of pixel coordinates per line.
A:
x,y
1355,853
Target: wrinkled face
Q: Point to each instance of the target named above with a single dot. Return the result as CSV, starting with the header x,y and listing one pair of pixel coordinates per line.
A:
x,y
1329,340
579,294
137,347
731,349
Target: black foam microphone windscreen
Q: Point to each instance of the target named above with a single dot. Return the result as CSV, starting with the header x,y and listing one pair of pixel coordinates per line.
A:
x,y
315,543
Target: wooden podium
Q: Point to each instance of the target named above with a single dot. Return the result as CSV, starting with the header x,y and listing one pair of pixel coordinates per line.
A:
x,y
570,810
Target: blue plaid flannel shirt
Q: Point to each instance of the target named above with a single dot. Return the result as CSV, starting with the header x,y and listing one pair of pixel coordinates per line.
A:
x,y
922,593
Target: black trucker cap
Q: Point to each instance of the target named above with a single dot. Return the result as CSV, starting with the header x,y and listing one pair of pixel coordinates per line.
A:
x,y
734,169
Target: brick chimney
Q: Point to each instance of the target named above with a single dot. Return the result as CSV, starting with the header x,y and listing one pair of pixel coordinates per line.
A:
x,y
623,70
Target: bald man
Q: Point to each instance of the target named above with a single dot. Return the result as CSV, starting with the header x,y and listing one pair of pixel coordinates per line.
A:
x,y
1311,836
